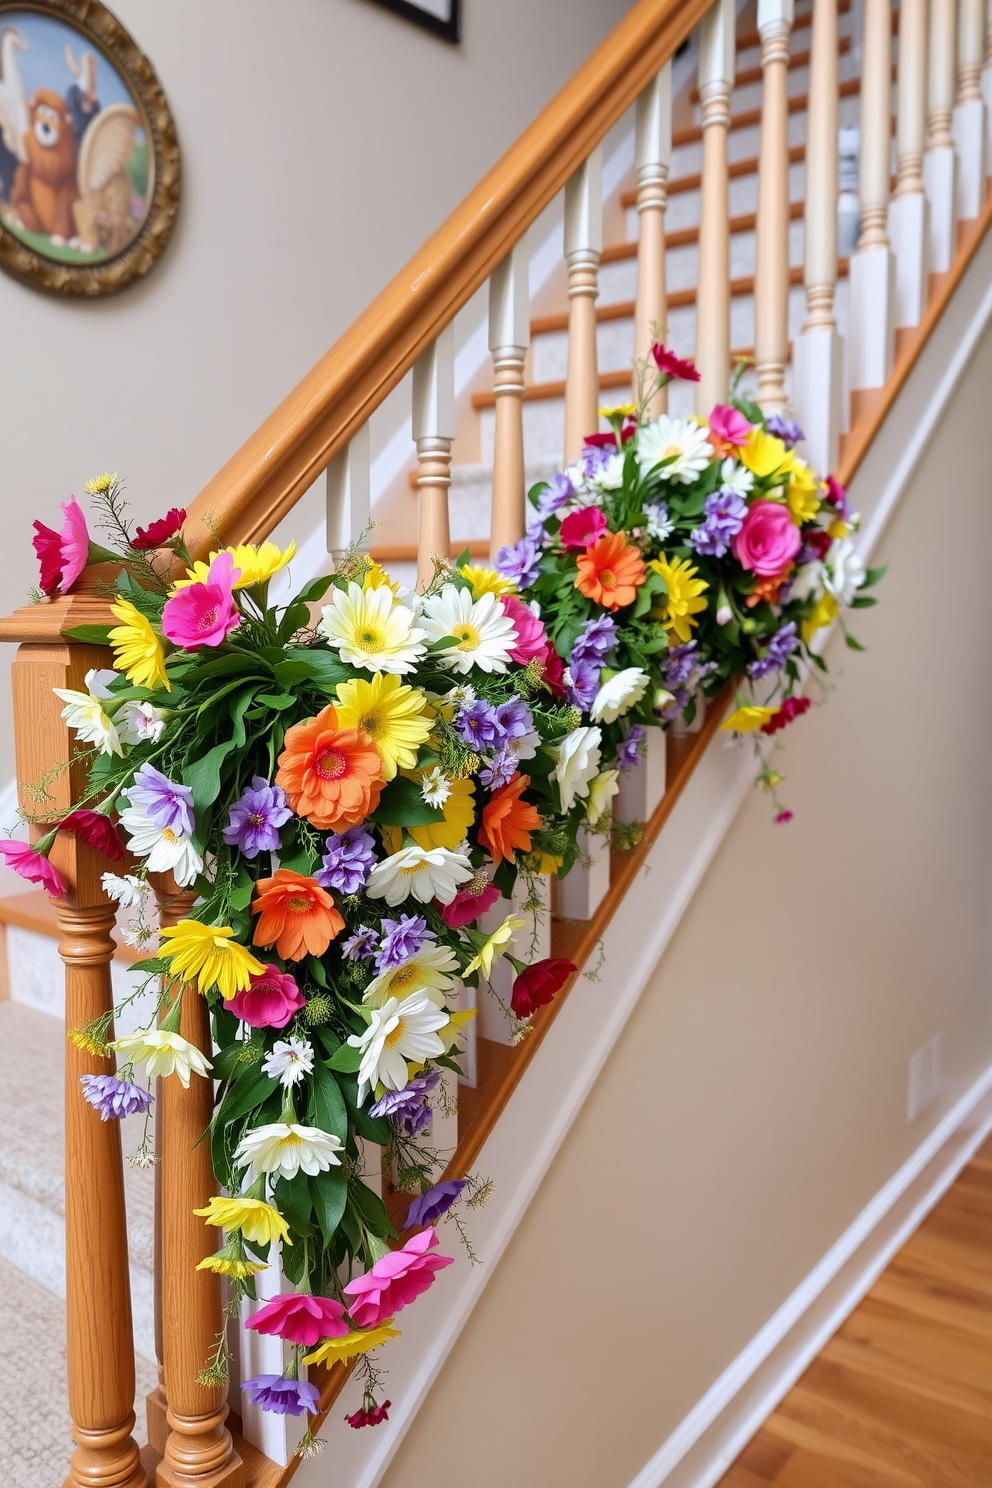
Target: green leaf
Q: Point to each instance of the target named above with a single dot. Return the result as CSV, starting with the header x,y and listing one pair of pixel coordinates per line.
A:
x,y
326,1107
316,589
371,1128
465,556
329,1194
346,1058
873,575
245,1096
292,1199
854,645
315,666
277,700
372,1209
863,602
402,805
203,775
90,635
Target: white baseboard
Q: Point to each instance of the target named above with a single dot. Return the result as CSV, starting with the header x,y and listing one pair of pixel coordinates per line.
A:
x,y
717,1429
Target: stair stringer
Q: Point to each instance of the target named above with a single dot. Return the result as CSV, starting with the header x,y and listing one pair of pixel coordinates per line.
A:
x,y
556,1083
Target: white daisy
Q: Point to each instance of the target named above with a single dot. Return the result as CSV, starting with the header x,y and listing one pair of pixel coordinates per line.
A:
x,y
427,971
435,787
398,1031
578,762
290,1060
371,628
129,892
284,1148
602,788
680,442
419,873
161,847
618,694
164,1053
140,723
660,524
483,635
808,581
736,477
83,712
610,476
461,696
845,573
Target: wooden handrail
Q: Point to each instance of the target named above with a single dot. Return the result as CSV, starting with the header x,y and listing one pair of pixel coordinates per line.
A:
x,y
260,483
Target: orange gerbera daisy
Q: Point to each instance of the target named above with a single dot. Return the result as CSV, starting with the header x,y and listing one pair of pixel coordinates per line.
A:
x,y
331,776
507,822
610,572
295,915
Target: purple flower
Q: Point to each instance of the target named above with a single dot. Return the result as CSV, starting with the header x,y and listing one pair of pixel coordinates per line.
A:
x,y
780,647
595,641
435,1202
520,562
724,517
285,1397
582,689
254,822
403,939
595,459
361,945
114,1098
500,769
514,718
785,429
407,1109
558,490
478,724
629,749
348,861
679,664
169,805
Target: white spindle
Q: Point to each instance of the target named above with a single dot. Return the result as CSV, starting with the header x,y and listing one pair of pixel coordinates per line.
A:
x,y
348,501
532,942
987,86
643,786
771,277
817,355
370,1164
652,158
909,225
716,80
580,893
509,337
872,343
969,123
434,433
583,247
939,160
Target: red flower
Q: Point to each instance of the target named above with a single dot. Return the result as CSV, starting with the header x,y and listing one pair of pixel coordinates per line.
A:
x,y
536,985
672,366
819,541
554,671
158,533
783,817
96,830
582,527
63,555
469,903
836,495
370,1414
601,441
793,707
48,546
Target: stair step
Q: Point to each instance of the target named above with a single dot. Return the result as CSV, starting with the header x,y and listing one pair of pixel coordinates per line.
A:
x,y
748,118
747,222
748,39
735,168
748,75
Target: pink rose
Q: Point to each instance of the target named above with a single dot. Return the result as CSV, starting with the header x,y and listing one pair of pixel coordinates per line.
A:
x,y
729,426
768,541
394,1281
531,636
270,1001
582,528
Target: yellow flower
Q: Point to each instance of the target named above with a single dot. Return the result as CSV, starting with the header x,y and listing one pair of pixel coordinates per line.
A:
x,y
487,953
359,1341
682,602
746,720
486,581
230,1265
459,814
763,454
824,614
543,862
137,649
801,497
838,528
256,1220
209,954
376,577
622,410
99,485
391,713
452,1030
256,565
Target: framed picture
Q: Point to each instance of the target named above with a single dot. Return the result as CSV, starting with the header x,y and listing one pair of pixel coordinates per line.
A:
x,y
89,161
442,17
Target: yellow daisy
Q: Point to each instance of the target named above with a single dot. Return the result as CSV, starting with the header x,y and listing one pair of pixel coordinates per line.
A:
x,y
255,563
682,603
459,814
256,1220
393,715
801,494
486,581
209,954
137,649
231,1265
763,454
746,720
824,614
452,1030
359,1341
376,577
543,862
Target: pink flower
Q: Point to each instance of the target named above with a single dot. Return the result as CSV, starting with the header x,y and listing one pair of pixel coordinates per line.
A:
x,y
729,426
395,1281
301,1319
62,555
769,539
783,817
370,1414
582,528
202,614
270,1001
34,866
531,635
469,903
159,532
672,366
96,830
836,495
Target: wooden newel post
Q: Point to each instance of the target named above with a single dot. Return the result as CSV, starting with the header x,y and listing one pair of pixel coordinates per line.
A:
x,y
199,1450
100,1345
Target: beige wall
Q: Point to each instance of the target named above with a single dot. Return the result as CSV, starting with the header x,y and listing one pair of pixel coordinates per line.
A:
x,y
757,1098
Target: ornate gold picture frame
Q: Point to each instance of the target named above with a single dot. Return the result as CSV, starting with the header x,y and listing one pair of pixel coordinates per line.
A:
x,y
89,159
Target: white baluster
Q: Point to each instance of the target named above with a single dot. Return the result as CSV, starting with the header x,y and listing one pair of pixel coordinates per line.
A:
x,y
643,786
909,211
872,342
532,942
370,1164
434,433
509,338
771,278
348,500
583,247
652,158
939,160
580,893
716,79
987,86
969,123
817,355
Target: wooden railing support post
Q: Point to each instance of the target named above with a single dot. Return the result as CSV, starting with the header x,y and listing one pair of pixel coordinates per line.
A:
x,y
940,161
969,123
583,247
652,158
909,211
872,342
771,274
434,433
716,80
509,338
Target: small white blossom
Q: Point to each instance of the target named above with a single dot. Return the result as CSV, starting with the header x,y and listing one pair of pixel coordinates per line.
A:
x,y
129,892
736,477
290,1060
435,787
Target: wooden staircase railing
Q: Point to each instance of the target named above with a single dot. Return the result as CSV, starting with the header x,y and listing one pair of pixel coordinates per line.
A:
x,y
900,277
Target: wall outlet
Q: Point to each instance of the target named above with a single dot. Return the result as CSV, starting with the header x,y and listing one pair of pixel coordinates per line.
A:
x,y
926,1078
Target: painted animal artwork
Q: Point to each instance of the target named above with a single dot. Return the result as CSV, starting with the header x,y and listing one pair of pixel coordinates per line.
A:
x,y
74,161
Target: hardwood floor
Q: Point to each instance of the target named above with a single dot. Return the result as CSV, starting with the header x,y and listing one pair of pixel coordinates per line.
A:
x,y
901,1397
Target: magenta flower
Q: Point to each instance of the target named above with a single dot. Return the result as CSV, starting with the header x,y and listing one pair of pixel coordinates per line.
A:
x,y
96,830
270,1001
62,555
395,1281
582,528
202,614
301,1319
34,866
370,1414
671,366
768,540
161,531
532,639
729,426
469,903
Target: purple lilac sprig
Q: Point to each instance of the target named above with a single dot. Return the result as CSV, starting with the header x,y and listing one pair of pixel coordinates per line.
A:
x,y
254,820
723,518
115,1098
407,1109
348,861
785,429
780,648
500,769
403,938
